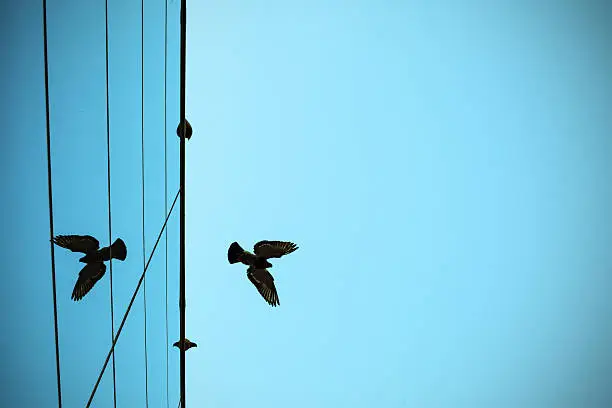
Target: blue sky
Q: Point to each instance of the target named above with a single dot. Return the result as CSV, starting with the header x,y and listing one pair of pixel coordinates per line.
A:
x,y
443,166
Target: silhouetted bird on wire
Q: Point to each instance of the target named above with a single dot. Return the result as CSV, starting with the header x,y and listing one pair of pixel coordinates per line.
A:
x,y
187,344
94,259
258,262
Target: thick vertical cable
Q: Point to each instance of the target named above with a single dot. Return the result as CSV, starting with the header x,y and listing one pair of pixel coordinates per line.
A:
x,y
166,182
110,231
182,187
57,355
142,152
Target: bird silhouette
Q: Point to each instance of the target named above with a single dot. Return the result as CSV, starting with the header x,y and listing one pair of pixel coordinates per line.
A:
x,y
187,344
257,262
94,259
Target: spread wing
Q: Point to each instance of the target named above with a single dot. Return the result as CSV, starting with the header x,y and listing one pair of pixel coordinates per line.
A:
x,y
264,282
77,243
273,249
89,275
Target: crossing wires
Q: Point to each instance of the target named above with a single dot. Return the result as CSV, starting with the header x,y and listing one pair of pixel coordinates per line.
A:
x,y
127,312
115,336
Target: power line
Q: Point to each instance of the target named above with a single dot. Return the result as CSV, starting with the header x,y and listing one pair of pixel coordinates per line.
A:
x,y
110,233
131,303
166,180
182,189
57,356
144,292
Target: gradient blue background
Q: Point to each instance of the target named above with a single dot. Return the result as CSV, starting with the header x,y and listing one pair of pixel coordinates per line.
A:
x,y
444,167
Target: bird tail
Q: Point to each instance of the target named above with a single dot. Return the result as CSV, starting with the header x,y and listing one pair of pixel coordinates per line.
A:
x,y
234,252
119,250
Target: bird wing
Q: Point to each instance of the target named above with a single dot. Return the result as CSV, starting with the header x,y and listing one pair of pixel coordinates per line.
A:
x,y
77,243
273,249
264,282
89,275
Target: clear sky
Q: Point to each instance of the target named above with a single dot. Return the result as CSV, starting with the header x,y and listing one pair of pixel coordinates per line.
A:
x,y
443,166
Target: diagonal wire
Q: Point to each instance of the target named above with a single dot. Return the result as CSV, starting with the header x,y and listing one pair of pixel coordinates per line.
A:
x,y
110,232
57,355
144,291
93,392
166,180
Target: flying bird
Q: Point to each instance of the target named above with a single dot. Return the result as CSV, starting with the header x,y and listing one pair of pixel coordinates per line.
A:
x,y
94,259
187,344
257,263
91,248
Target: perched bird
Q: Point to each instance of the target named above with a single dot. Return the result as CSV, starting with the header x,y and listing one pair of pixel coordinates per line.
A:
x,y
187,344
257,263
94,259
189,130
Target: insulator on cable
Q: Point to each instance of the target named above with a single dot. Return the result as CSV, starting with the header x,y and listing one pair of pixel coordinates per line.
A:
x,y
185,345
179,130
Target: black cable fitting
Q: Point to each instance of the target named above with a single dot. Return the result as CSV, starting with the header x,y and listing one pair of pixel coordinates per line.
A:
x,y
189,130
